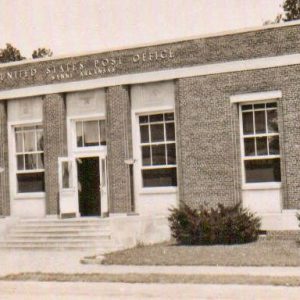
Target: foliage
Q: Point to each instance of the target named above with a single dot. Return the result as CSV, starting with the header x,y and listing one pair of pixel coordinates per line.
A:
x,y
291,9
42,52
10,53
221,225
291,12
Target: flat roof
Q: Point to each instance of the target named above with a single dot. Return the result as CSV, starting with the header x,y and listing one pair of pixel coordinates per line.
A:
x,y
161,42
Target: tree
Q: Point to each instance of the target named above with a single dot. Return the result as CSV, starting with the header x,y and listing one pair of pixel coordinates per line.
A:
x,y
10,53
42,52
291,9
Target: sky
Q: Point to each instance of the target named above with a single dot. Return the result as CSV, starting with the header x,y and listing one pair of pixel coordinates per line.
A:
x,y
78,26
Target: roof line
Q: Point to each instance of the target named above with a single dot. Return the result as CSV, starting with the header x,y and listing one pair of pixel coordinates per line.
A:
x,y
156,43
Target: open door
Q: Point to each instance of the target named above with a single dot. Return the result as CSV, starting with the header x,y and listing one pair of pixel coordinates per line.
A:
x,y
68,207
103,187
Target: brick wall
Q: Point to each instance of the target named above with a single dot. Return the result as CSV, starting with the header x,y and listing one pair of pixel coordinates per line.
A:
x,y
208,133
118,148
246,45
4,177
55,145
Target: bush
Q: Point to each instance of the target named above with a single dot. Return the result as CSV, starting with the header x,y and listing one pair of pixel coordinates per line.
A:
x,y
221,225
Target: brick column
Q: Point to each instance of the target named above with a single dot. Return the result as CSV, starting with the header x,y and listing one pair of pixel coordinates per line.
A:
x,y
55,145
4,176
118,148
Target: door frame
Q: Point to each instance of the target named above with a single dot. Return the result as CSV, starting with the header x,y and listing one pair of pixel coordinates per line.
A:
x,y
84,152
87,155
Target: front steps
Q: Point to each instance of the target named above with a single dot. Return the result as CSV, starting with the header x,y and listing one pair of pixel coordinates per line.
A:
x,y
56,234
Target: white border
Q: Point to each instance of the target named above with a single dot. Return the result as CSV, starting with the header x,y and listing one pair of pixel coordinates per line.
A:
x,y
162,75
254,186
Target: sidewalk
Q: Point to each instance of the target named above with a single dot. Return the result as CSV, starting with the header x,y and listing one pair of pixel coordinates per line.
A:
x,y
13,262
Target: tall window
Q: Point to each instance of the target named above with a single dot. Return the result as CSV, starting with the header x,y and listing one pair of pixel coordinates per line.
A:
x,y
30,159
157,132
90,133
260,136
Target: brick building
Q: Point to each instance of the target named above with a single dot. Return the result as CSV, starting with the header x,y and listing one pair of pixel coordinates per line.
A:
x,y
132,132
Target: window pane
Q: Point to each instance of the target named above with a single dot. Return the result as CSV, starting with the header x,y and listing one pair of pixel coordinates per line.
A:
x,y
79,134
260,122
273,104
272,121
247,107
20,162
156,118
144,133
262,170
249,145
158,155
159,177
29,141
171,154
30,161
32,182
40,158
91,133
102,132
261,105
169,116
248,123
66,183
143,119
157,133
274,145
40,141
261,146
170,130
19,142
146,155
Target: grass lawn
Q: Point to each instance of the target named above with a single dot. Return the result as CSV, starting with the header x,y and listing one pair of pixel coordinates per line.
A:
x,y
260,253
156,278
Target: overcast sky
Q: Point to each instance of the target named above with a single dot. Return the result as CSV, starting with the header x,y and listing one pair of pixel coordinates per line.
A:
x,y
76,26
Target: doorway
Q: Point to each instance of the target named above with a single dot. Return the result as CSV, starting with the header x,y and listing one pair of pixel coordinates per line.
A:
x,y
88,172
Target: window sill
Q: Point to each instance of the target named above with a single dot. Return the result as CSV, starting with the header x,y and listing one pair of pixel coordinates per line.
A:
x,y
158,190
26,196
262,186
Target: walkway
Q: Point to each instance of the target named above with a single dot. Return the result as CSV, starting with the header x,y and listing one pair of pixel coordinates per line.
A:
x,y
69,262
122,291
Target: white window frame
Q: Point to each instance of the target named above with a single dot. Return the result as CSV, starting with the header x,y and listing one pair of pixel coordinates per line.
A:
x,y
73,148
258,185
160,189
13,161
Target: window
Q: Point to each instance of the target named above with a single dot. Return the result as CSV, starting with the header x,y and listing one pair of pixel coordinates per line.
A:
x,y
260,143
90,133
157,132
29,159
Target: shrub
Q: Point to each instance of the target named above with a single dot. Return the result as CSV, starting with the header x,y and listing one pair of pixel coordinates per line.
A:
x,y
221,225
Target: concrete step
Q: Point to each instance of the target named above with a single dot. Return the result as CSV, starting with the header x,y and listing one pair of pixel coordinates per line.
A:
x,y
95,249
58,238
59,234
87,240
68,221
60,230
64,225
57,243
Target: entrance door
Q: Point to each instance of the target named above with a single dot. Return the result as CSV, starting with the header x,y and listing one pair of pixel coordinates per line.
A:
x,y
103,188
88,186
67,192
